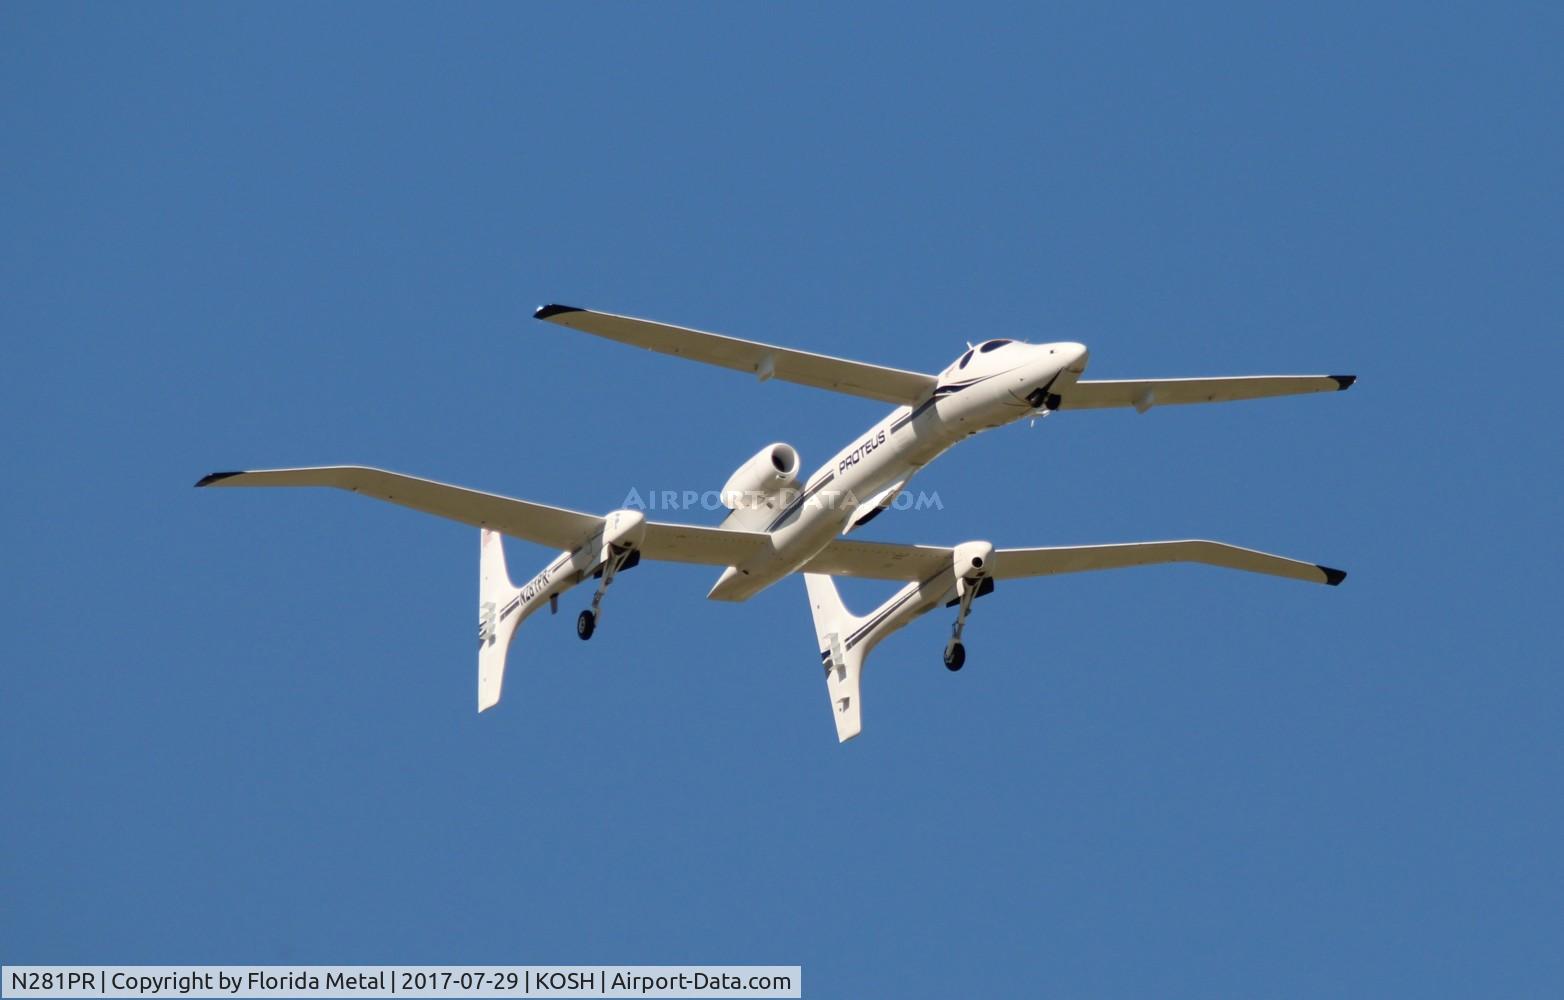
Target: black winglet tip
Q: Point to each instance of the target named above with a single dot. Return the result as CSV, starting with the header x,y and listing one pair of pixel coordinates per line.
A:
x,y
1333,577
1344,381
214,477
551,310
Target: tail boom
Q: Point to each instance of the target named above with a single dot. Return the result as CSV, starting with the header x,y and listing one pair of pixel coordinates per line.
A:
x,y
500,609
846,639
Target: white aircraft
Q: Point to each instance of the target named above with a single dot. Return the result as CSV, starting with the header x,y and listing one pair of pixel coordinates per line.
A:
x,y
778,525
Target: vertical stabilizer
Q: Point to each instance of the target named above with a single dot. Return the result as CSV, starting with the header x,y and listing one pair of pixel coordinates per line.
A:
x,y
843,665
499,612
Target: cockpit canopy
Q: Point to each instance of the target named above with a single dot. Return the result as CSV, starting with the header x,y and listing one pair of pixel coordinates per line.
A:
x,y
983,348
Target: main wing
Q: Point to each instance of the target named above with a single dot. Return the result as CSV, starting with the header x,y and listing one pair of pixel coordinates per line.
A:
x,y
1014,563
534,522
693,543
1143,394
886,561
558,527
879,560
888,385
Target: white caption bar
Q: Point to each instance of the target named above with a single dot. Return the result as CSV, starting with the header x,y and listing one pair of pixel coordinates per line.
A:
x,y
400,981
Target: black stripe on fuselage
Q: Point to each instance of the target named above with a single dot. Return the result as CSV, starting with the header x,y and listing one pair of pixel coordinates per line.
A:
x,y
940,392
923,408
863,630
912,415
799,501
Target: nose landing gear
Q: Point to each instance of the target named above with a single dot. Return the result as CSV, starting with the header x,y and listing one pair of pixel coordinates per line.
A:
x,y
1043,400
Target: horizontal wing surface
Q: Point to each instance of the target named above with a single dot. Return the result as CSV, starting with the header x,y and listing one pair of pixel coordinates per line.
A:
x,y
889,385
887,561
1013,563
692,543
534,522
1143,394
879,560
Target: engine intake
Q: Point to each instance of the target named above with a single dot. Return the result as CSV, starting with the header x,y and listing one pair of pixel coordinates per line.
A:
x,y
772,470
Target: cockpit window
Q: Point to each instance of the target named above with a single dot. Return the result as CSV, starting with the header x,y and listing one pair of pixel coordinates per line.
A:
x,y
993,344
964,359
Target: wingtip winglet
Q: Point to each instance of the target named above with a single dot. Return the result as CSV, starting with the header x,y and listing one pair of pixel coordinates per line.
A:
x,y
1344,381
1333,577
551,310
208,480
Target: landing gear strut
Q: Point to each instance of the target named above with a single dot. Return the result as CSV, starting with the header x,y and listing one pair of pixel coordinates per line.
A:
x,y
586,622
955,652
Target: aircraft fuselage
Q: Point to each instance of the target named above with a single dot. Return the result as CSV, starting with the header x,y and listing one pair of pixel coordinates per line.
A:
x,y
993,384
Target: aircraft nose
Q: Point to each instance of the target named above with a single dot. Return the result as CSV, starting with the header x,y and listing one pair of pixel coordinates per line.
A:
x,y
1076,356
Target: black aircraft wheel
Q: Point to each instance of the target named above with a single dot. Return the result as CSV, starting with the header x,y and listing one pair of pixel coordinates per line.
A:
x,y
955,657
586,624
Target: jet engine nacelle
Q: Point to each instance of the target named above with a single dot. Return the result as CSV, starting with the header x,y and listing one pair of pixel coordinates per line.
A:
x,y
973,559
772,470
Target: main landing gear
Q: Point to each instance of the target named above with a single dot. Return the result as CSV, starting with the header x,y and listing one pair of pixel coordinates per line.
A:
x,y
955,652
586,622
955,656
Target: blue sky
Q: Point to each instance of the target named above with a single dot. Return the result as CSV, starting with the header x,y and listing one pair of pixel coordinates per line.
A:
x,y
239,726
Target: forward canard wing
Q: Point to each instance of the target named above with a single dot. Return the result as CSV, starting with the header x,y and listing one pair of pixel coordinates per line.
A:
x,y
1143,394
889,385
